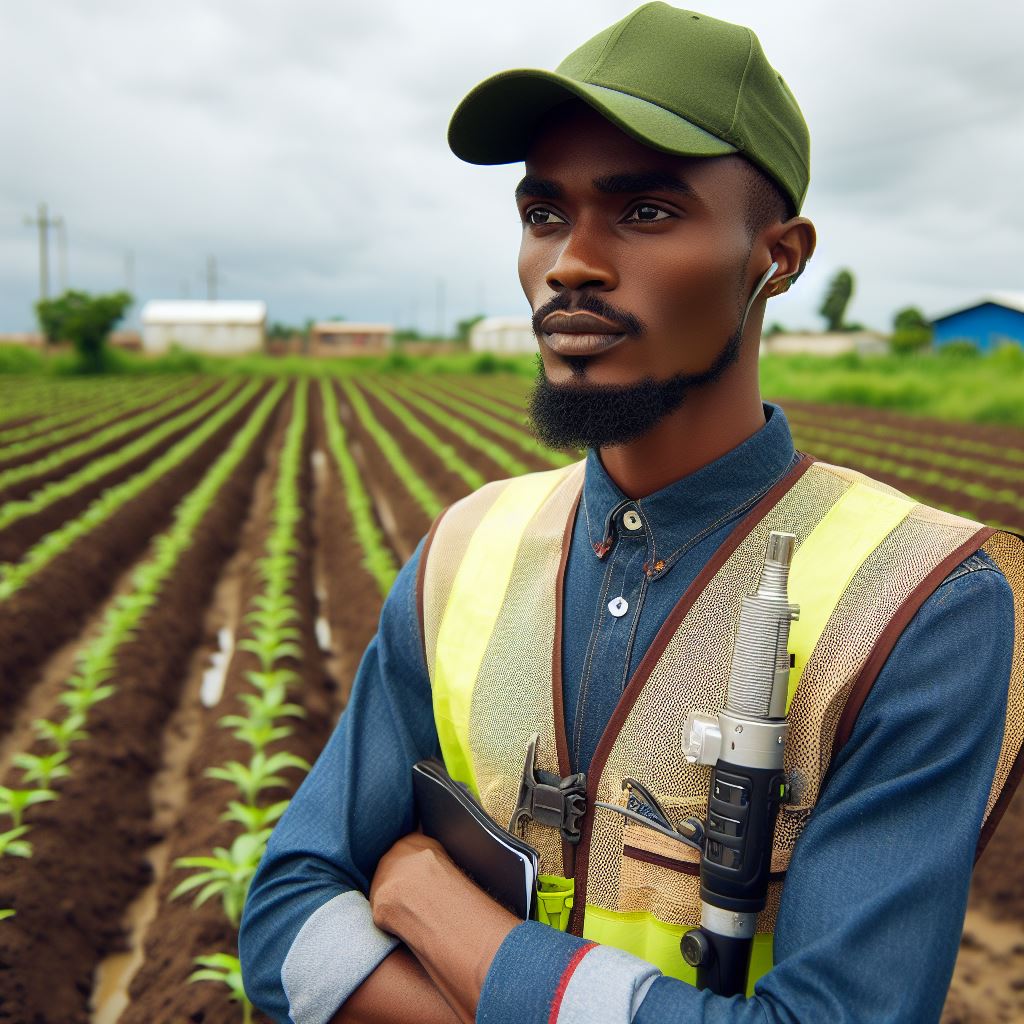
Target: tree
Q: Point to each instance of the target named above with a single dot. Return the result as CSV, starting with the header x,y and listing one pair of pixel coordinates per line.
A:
x,y
463,327
911,331
85,320
837,298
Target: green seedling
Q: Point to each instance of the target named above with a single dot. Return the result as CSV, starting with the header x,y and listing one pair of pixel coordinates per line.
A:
x,y
61,734
271,704
259,774
12,845
258,734
226,969
226,874
43,768
270,650
265,681
253,818
4,914
14,802
79,701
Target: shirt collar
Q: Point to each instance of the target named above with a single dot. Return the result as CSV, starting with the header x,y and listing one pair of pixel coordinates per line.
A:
x,y
680,513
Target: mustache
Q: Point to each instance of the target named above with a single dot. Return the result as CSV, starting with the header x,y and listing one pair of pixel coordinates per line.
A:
x,y
587,302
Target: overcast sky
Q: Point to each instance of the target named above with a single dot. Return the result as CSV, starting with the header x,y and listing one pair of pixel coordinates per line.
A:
x,y
303,145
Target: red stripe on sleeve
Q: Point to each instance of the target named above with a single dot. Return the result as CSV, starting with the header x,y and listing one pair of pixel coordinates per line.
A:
x,y
563,984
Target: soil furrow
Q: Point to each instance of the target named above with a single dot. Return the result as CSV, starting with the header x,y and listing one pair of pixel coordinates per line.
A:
x,y
24,488
160,991
90,845
401,518
49,609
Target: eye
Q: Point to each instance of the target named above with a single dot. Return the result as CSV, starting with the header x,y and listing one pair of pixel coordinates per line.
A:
x,y
541,212
647,213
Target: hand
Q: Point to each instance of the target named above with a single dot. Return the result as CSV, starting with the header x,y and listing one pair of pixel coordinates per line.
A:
x,y
414,866
452,927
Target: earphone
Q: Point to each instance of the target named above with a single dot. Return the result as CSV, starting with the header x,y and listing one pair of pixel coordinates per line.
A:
x,y
760,284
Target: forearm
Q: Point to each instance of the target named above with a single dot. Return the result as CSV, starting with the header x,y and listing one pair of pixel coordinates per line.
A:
x,y
399,991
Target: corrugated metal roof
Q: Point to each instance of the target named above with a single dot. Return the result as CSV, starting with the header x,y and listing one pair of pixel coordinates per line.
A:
x,y
187,311
1011,300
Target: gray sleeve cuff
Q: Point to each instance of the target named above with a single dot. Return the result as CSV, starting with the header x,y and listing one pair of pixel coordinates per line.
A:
x,y
608,985
334,952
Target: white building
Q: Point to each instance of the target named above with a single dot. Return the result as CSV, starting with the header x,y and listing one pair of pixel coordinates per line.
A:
x,y
503,334
865,343
216,328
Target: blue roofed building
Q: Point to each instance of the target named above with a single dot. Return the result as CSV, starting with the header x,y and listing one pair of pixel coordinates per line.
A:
x,y
994,320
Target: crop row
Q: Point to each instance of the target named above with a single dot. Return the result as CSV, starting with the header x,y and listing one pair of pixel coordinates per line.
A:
x,y
74,410
377,557
69,452
93,677
15,575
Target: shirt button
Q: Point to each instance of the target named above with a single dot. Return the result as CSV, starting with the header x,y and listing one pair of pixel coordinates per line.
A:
x,y
632,521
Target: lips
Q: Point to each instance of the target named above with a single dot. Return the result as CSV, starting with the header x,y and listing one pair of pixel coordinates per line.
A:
x,y
580,334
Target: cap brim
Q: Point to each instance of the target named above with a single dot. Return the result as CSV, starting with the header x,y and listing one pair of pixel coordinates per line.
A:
x,y
497,119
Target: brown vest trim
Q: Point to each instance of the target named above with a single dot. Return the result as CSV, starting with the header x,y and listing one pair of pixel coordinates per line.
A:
x,y
1002,802
650,659
421,571
894,630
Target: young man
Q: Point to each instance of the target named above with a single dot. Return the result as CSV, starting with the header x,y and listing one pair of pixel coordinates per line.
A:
x,y
666,163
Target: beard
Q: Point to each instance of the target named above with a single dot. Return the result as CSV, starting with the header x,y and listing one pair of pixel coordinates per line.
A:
x,y
603,415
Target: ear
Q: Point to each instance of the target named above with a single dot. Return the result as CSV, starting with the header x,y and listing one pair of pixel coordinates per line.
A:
x,y
792,246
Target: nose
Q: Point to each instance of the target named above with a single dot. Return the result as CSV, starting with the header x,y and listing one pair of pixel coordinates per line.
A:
x,y
582,262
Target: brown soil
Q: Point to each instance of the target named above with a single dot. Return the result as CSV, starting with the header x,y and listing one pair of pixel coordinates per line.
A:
x,y
90,845
24,488
492,471
403,521
924,426
20,536
50,608
145,402
988,981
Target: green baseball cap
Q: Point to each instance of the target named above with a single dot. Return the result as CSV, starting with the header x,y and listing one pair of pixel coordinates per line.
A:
x,y
676,80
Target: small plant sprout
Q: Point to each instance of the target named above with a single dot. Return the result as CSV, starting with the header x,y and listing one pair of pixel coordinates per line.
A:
x,y
61,734
253,818
264,681
226,874
226,969
258,774
81,700
4,914
43,768
269,648
13,802
12,845
258,734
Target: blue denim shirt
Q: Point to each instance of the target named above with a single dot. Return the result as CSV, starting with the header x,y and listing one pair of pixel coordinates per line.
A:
x,y
874,903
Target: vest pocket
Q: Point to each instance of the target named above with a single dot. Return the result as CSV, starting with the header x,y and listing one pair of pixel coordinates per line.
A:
x,y
659,876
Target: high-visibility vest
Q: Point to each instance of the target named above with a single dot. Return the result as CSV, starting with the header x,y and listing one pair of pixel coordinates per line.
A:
x,y
490,596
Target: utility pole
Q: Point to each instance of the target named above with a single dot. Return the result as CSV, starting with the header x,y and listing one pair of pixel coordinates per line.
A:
x,y
62,252
211,278
440,308
43,222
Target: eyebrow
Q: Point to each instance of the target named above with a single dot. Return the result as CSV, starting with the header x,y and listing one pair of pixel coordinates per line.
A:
x,y
611,184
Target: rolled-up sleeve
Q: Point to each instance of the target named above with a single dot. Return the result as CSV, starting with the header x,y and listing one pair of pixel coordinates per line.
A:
x,y
873,907
307,939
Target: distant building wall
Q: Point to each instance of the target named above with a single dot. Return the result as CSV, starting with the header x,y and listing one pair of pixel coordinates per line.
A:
x,y
987,325
503,334
825,344
215,328
339,338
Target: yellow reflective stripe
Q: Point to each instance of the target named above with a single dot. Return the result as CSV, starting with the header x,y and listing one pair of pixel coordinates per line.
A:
x,y
643,935
472,610
829,558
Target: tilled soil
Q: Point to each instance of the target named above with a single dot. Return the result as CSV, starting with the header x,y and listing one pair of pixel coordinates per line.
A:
x,y
89,846
50,608
22,489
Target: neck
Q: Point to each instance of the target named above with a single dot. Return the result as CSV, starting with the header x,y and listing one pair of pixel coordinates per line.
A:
x,y
710,422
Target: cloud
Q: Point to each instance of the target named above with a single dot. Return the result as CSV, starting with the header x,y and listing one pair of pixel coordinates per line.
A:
x,y
304,146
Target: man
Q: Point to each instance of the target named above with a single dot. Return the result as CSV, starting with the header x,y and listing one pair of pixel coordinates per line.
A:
x,y
666,163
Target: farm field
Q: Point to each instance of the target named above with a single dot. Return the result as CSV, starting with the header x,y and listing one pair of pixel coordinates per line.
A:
x,y
190,570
